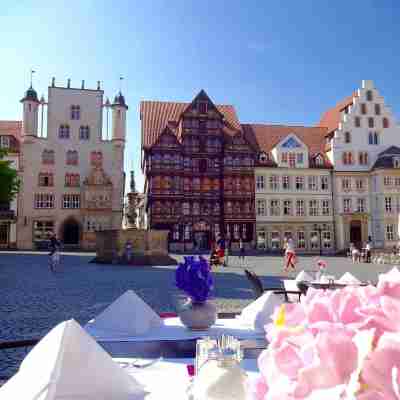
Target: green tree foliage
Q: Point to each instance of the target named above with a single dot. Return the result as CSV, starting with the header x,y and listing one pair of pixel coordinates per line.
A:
x,y
9,181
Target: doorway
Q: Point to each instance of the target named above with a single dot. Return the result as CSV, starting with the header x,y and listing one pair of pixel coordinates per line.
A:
x,y
4,233
71,232
355,233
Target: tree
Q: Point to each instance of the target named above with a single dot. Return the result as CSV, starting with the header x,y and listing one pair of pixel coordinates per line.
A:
x,y
9,181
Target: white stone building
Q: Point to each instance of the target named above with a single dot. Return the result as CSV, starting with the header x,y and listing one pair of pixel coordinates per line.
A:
x,y
10,135
293,195
72,169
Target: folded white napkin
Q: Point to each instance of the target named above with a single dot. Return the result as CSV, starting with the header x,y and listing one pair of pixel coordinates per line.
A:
x,y
68,364
349,278
129,315
304,276
259,312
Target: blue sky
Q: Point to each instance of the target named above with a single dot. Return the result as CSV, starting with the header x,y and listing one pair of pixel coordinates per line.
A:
x,y
275,61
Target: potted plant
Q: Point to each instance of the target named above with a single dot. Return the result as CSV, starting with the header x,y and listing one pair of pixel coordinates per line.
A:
x,y
194,277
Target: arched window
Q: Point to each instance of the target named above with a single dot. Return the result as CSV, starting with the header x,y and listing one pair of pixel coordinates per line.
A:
x,y
48,156
75,112
84,133
376,138
370,138
72,157
63,132
369,95
363,158
347,137
385,123
370,122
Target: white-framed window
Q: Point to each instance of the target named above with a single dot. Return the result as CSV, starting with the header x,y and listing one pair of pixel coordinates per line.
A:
x,y
360,184
261,206
396,162
347,205
292,160
300,158
44,200
274,208
274,182
388,204
326,208
313,208
287,207
260,182
286,182
301,240
185,208
42,230
387,180
299,182
5,142
390,232
300,208
324,183
314,240
71,201
360,205
312,183
326,239
261,239
275,240
346,184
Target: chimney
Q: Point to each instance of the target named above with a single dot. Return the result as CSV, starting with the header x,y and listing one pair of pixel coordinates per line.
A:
x,y
83,84
98,85
53,81
68,83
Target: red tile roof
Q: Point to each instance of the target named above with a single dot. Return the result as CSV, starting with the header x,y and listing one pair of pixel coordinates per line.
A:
x,y
331,118
155,116
266,137
13,128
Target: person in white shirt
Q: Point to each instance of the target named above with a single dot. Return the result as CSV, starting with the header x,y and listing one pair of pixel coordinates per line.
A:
x,y
289,254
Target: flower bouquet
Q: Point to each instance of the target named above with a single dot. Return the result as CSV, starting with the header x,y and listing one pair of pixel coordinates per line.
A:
x,y
334,344
194,277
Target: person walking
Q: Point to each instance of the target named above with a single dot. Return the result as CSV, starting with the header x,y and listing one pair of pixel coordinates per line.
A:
x,y
54,254
241,252
289,254
368,248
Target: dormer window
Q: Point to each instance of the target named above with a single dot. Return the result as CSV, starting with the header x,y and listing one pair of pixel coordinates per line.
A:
x,y
202,107
263,157
396,162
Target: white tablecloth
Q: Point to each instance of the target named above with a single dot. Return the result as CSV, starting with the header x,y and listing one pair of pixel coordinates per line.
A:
x,y
168,378
174,330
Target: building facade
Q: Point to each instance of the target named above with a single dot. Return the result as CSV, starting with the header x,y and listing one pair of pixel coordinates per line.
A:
x,y
293,189
71,168
10,135
199,173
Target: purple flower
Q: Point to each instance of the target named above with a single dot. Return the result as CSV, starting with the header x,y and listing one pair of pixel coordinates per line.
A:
x,y
194,277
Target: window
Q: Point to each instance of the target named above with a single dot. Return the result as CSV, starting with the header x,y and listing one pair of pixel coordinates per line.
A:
x,y
397,181
390,232
346,205
261,239
260,182
377,109
292,160
324,183
387,180
75,112
347,158
4,142
376,138
46,179
63,132
188,232
274,208
357,122
72,157
300,208
196,208
346,184
71,201
360,205
185,208
370,138
396,162
360,184
175,232
313,208
202,107
347,137
388,204
44,200
300,158
369,95
287,207
274,182
96,158
275,240
72,180
236,231
385,122
261,204
312,183
299,182
42,230
363,158
363,108
301,240
284,158
285,182
326,239
84,133
370,122
325,208
314,240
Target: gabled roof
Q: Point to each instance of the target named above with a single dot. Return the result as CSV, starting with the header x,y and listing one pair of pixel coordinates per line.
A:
x,y
266,137
392,150
155,116
331,118
385,159
13,128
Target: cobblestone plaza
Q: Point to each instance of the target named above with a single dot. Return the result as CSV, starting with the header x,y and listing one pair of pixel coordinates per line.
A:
x,y
33,300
